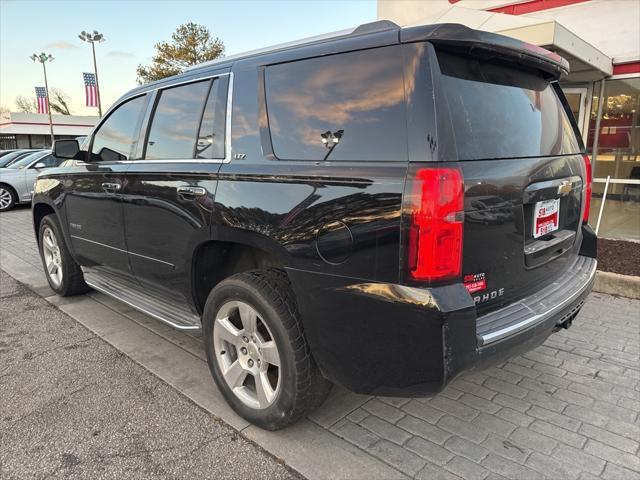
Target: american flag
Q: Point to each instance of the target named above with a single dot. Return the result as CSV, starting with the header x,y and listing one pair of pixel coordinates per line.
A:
x,y
43,101
91,89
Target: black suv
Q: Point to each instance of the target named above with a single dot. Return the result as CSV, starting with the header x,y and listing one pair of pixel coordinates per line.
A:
x,y
382,209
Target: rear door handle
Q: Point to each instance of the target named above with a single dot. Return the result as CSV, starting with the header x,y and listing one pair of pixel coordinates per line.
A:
x,y
191,192
111,187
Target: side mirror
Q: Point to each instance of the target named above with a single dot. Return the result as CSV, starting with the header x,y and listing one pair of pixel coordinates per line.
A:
x,y
66,148
39,166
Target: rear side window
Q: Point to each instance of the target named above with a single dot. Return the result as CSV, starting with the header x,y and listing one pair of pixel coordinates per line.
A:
x,y
176,121
116,138
212,129
341,107
500,111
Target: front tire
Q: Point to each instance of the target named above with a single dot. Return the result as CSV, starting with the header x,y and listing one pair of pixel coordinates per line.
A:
x,y
63,273
257,352
8,198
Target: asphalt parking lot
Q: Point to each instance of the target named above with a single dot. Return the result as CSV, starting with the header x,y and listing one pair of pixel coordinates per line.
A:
x,y
567,410
75,407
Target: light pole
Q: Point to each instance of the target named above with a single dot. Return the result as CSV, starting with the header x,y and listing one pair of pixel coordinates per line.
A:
x,y
43,58
92,38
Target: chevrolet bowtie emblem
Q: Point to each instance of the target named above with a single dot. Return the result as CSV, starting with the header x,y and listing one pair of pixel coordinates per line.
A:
x,y
565,187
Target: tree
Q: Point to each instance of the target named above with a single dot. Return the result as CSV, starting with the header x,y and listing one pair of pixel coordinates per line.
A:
x,y
190,44
59,101
26,104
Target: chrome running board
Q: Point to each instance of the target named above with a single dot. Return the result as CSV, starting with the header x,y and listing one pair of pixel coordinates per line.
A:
x,y
131,293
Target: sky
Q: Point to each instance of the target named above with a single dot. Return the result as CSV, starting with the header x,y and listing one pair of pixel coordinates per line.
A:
x,y
131,28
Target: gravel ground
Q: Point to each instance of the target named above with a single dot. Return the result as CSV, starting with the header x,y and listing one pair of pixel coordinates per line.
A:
x,y
72,406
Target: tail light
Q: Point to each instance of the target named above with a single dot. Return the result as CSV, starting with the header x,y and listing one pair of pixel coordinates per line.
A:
x,y
588,189
435,231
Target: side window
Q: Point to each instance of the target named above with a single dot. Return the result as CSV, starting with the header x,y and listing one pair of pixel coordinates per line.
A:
x,y
212,130
348,106
50,161
176,121
116,138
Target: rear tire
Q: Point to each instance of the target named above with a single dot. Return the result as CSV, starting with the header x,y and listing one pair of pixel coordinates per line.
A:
x,y
257,352
63,273
8,198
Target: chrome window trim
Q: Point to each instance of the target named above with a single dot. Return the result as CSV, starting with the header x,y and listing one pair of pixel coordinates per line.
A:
x,y
228,116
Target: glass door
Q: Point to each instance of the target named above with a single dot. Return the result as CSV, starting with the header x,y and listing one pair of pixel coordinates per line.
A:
x,y
577,98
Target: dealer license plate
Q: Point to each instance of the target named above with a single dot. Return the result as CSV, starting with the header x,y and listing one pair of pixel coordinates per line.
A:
x,y
545,217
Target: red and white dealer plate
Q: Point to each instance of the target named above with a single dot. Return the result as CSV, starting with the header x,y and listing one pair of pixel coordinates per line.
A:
x,y
545,217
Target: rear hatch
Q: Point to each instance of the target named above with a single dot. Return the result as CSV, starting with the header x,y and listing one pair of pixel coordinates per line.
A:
x,y
511,134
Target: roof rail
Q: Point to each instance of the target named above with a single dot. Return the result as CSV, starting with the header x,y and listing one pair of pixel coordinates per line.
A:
x,y
365,28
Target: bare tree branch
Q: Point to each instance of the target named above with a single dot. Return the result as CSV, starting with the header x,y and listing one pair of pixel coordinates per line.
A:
x,y
26,104
59,101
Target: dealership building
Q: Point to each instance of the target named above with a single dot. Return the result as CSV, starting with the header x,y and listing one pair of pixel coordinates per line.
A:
x,y
31,130
601,41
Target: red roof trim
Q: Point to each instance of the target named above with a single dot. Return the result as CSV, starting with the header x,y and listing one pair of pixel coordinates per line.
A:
x,y
625,68
533,6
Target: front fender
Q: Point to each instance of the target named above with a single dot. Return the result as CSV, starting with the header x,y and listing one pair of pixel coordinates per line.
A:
x,y
48,197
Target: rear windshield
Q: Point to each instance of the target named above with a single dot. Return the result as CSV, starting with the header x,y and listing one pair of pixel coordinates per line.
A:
x,y
501,111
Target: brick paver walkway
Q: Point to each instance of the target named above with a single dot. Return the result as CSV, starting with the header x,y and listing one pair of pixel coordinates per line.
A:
x,y
567,410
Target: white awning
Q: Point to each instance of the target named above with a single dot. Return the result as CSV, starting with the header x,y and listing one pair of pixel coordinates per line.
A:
x,y
587,63
39,129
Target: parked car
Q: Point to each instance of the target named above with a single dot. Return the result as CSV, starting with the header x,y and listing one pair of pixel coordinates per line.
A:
x,y
16,180
310,210
14,156
5,152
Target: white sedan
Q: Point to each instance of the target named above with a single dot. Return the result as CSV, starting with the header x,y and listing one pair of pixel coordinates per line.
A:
x,y
16,180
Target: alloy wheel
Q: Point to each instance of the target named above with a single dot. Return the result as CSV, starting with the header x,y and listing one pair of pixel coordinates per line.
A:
x,y
5,198
247,354
52,256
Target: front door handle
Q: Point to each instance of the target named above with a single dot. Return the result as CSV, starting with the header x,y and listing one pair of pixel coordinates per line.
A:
x,y
191,192
111,187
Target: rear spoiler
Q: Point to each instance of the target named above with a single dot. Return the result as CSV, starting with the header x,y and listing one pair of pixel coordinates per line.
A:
x,y
476,42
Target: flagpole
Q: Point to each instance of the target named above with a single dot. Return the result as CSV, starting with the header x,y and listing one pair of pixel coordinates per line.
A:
x,y
44,58
95,69
92,38
46,86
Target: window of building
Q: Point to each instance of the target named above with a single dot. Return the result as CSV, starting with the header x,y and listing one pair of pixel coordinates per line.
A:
x,y
341,107
212,129
176,120
22,141
116,138
40,141
619,135
8,142
618,157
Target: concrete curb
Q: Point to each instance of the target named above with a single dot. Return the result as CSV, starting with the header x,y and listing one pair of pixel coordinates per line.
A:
x,y
307,447
617,284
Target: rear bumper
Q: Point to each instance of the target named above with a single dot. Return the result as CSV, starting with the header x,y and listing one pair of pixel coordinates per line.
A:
x,y
553,302
388,339
551,308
